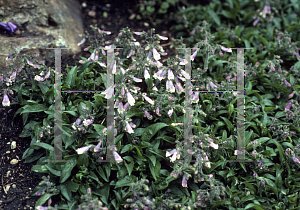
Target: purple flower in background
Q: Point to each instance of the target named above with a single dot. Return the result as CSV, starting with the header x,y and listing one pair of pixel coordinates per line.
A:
x,y
255,22
262,183
212,85
5,101
279,70
226,49
296,160
287,83
184,181
287,108
83,150
9,26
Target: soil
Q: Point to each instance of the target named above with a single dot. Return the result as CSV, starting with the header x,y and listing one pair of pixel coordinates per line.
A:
x,y
19,177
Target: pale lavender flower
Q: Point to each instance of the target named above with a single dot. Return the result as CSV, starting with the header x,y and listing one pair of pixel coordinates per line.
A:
x,y
296,160
186,75
149,100
11,92
272,68
138,33
255,175
266,10
196,97
184,181
279,70
162,37
146,74
47,75
120,107
170,74
292,94
212,85
137,79
183,61
255,22
38,78
228,77
81,42
128,128
156,54
148,201
126,105
287,108
42,208
13,76
5,101
226,49
97,148
114,70
170,112
170,86
130,99
108,92
87,122
148,115
262,183
130,53
132,124
287,83
78,121
193,56
83,150
193,31
157,111
117,157
207,164
173,153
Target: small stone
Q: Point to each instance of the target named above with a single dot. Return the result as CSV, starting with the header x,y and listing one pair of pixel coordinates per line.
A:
x,y
84,5
13,145
132,16
92,13
14,186
14,161
146,24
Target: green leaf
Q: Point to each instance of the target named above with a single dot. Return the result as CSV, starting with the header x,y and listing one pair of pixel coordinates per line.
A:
x,y
44,145
52,170
126,181
281,153
153,159
215,17
71,78
272,186
263,40
230,109
66,172
34,108
65,191
133,111
129,167
151,130
254,205
43,200
228,123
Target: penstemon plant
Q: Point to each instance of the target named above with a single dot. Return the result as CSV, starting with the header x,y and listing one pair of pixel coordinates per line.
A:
x,y
136,88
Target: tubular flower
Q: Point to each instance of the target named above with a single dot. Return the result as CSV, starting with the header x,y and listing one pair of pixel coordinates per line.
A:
x,y
170,74
292,94
148,115
157,111
132,124
287,108
130,99
296,160
128,128
226,49
193,56
162,37
207,164
184,181
255,22
174,154
156,54
170,86
117,157
215,146
186,75
5,101
108,92
287,83
148,99
97,148
146,74
212,85
83,150
170,112
13,76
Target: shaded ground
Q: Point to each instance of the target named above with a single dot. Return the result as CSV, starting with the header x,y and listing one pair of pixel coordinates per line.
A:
x,y
19,177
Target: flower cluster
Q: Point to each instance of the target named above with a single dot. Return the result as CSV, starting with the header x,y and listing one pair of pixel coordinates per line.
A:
x,y
89,203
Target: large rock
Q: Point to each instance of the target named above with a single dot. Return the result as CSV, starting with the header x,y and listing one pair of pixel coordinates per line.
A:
x,y
42,24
